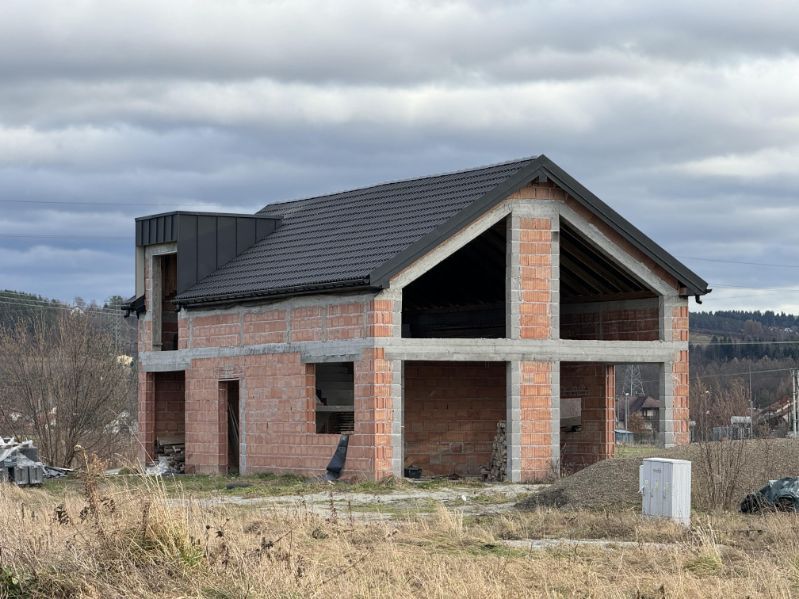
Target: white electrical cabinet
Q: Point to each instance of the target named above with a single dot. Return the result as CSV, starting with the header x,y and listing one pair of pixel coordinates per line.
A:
x,y
665,487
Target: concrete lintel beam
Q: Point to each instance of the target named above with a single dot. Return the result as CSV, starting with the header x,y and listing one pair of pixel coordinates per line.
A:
x,y
312,351
503,350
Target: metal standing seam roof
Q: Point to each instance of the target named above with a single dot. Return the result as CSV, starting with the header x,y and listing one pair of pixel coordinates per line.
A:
x,y
360,238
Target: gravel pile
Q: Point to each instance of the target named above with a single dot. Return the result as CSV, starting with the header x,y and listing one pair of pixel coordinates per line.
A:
x,y
613,484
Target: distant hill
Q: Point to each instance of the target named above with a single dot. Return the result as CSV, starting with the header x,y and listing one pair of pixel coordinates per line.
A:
x,y
728,345
741,323
729,334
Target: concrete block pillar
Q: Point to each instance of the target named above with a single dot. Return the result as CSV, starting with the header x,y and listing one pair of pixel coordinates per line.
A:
x,y
666,437
146,435
513,470
555,416
397,418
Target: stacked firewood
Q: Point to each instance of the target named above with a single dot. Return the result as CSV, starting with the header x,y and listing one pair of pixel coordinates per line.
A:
x,y
499,455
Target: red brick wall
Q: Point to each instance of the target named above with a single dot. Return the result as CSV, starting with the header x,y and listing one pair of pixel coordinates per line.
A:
x,y
286,324
218,330
380,318
594,383
277,399
639,324
170,393
535,273
451,414
536,420
161,408
265,326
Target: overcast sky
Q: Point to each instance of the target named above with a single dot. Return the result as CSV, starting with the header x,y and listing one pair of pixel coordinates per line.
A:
x,y
683,116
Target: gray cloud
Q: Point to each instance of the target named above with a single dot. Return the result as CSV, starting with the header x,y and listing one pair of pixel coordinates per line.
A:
x,y
683,116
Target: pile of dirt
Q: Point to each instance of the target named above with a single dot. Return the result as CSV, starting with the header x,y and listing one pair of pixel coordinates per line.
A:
x,y
613,484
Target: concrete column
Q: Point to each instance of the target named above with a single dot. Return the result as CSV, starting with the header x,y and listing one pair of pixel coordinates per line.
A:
x,y
222,458
666,436
512,277
156,300
554,281
666,305
555,413
243,426
397,418
146,433
513,426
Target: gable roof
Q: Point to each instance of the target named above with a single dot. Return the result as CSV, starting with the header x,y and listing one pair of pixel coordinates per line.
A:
x,y
359,239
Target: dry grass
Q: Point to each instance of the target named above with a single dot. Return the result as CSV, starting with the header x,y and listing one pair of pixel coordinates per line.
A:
x,y
108,541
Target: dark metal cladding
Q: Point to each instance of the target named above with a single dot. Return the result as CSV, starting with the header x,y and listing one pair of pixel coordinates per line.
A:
x,y
159,228
205,241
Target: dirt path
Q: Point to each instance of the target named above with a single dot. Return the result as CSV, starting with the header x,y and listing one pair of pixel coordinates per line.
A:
x,y
486,499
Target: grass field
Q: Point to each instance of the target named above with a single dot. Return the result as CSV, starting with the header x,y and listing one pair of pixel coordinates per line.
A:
x,y
143,537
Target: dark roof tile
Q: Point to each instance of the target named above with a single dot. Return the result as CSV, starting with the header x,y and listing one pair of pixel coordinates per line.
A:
x,y
344,236
359,238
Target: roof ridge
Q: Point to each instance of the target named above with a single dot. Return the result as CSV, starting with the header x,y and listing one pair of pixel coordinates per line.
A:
x,y
398,181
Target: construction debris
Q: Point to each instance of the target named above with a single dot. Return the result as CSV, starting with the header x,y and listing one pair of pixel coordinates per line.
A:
x,y
21,465
499,456
170,456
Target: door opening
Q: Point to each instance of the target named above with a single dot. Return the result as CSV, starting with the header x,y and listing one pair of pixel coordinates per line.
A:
x,y
233,429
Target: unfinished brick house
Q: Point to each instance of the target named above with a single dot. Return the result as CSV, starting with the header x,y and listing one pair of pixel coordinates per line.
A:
x,y
413,316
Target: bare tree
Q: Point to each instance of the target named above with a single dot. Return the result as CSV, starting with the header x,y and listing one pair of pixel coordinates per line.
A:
x,y
63,384
713,405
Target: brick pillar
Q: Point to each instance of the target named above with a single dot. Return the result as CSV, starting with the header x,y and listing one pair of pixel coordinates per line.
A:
x,y
680,409
529,421
532,273
146,435
374,407
674,379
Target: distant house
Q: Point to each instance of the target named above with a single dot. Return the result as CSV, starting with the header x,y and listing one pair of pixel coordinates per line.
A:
x,y
776,417
412,316
645,406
